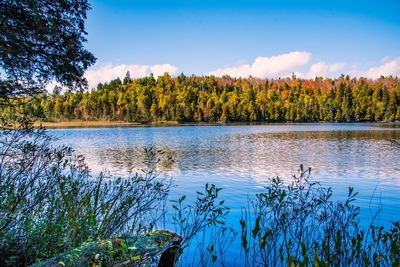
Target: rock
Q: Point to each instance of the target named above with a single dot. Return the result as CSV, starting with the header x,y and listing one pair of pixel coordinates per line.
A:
x,y
121,252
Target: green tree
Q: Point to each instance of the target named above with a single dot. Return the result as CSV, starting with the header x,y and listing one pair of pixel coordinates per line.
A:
x,y
42,41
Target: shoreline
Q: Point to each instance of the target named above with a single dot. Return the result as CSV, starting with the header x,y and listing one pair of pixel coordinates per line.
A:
x,y
111,124
83,124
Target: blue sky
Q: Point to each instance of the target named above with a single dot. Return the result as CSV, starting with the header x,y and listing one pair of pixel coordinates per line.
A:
x,y
243,38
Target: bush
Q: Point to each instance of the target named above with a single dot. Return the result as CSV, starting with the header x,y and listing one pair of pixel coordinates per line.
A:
x,y
49,202
298,224
202,227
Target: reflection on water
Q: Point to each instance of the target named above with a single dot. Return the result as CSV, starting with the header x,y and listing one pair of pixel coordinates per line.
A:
x,y
240,158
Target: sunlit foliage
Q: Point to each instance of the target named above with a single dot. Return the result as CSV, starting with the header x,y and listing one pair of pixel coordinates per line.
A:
x,y
212,99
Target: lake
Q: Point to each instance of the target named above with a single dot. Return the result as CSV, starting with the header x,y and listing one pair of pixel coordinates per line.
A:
x,y
241,158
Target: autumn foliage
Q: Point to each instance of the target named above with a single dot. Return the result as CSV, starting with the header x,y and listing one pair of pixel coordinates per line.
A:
x,y
226,99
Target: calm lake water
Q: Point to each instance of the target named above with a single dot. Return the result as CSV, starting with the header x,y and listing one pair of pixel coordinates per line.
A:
x,y
241,158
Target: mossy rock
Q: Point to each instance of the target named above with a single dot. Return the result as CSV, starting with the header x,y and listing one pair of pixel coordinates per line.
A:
x,y
116,251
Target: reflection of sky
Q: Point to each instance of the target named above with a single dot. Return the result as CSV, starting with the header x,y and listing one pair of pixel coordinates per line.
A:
x,y
240,158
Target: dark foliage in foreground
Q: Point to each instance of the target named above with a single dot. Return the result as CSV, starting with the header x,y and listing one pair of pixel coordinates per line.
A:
x,y
42,41
50,203
298,224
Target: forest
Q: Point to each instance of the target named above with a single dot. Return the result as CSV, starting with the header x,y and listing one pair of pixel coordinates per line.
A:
x,y
225,99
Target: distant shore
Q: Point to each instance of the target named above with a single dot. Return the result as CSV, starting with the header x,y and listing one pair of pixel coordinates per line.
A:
x,y
105,124
83,124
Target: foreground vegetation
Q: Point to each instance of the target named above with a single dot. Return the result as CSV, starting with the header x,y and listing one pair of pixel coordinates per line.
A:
x,y
298,223
51,204
212,99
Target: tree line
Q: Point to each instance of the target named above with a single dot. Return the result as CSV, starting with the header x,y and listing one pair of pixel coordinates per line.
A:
x,y
212,99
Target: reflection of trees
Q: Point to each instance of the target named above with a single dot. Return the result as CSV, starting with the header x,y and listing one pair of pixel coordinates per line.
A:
x,y
263,155
130,160
396,144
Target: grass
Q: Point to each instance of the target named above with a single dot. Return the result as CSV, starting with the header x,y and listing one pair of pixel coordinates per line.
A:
x,y
84,124
105,123
299,224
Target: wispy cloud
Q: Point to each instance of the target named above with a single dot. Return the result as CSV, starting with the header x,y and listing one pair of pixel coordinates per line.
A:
x,y
321,69
108,71
386,68
268,67
282,65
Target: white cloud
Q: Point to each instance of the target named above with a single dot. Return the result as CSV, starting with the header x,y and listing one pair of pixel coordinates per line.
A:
x,y
325,70
268,67
387,68
107,72
282,65
298,75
